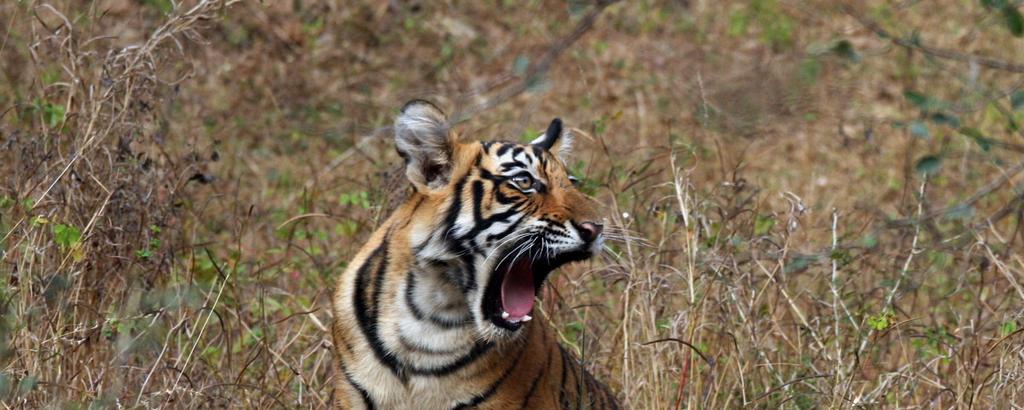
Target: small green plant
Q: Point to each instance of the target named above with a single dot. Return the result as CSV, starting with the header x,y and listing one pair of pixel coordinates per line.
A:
x,y
66,236
1011,16
163,6
360,198
882,320
928,165
53,114
763,224
1008,328
151,246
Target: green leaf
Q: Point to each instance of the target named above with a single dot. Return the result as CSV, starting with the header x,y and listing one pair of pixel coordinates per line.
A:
x,y
763,224
1007,328
869,241
882,320
520,65
164,6
844,48
51,76
799,263
915,98
928,165
144,253
663,324
577,7
810,69
924,102
738,22
841,256
66,235
1017,99
27,384
53,114
984,142
961,212
919,129
945,119
992,4
5,384
1013,19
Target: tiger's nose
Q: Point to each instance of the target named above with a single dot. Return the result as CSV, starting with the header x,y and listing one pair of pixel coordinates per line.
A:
x,y
590,230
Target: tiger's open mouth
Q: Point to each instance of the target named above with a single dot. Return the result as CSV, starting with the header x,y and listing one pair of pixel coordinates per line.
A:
x,y
515,283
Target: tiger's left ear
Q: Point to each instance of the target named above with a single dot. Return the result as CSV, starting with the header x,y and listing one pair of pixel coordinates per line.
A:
x,y
423,139
555,141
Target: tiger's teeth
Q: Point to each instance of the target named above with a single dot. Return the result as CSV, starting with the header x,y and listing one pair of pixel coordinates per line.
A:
x,y
527,318
504,315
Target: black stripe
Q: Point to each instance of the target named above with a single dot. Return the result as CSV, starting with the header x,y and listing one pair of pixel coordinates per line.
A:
x,y
505,199
419,201
419,314
366,316
506,166
367,401
550,221
343,342
452,215
588,389
478,199
504,148
494,386
566,367
540,372
469,263
538,151
485,224
478,350
511,227
416,347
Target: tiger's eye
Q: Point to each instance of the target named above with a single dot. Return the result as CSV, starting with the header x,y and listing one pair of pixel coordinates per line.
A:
x,y
523,181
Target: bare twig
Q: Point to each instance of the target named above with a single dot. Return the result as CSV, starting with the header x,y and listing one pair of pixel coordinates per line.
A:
x,y
538,69
982,192
945,53
529,78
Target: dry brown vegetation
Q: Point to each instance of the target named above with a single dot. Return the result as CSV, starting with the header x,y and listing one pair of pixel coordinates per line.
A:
x,y
818,215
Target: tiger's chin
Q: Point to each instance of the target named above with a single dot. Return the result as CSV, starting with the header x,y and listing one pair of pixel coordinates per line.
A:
x,y
514,286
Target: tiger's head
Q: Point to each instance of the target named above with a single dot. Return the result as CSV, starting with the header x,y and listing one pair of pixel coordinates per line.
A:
x,y
501,215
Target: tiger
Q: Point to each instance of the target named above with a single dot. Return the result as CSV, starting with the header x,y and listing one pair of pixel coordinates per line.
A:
x,y
436,311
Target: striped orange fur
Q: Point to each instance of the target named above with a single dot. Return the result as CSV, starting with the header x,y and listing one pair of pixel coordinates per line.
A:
x,y
436,310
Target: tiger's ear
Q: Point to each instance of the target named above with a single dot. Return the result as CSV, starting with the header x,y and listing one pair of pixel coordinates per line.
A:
x,y
556,141
423,139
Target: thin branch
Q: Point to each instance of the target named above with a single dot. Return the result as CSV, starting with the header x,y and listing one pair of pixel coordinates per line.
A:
x,y
538,69
530,77
982,192
945,53
680,341
784,385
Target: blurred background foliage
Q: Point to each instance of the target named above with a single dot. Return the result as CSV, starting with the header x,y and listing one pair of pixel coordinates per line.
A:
x,y
823,200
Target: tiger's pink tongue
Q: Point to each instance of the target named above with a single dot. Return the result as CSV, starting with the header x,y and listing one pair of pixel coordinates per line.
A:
x,y
517,290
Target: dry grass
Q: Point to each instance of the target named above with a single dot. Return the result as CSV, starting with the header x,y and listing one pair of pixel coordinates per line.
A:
x,y
800,225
